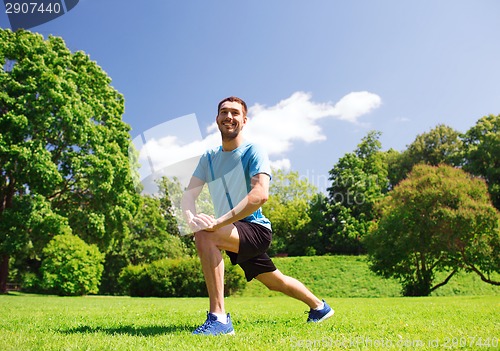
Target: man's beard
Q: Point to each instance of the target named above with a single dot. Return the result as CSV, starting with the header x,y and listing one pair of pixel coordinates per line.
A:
x,y
228,136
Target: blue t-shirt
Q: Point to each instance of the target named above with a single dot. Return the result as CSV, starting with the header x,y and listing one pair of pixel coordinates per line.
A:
x,y
228,175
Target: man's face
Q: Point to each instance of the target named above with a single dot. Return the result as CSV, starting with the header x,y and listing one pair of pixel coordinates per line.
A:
x,y
231,119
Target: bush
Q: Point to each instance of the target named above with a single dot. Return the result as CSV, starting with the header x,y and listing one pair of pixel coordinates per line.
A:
x,y
181,277
71,267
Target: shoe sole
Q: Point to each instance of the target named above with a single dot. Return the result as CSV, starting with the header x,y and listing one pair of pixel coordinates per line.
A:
x,y
325,317
230,333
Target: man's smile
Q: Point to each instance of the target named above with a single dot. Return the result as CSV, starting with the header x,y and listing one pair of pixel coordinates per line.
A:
x,y
229,124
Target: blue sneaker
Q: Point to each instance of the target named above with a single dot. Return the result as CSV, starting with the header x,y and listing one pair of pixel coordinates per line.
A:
x,y
321,315
213,327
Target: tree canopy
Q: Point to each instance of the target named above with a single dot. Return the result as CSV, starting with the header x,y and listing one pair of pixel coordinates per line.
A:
x,y
438,219
63,143
442,144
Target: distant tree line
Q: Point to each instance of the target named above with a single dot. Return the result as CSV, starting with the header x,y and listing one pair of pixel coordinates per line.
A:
x,y
72,221
432,207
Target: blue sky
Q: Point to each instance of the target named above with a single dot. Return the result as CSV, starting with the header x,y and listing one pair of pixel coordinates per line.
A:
x,y
317,75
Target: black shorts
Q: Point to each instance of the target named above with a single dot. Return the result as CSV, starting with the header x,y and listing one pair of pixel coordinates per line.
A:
x,y
254,242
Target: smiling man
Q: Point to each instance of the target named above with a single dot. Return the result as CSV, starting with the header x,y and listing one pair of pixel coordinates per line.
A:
x,y
238,175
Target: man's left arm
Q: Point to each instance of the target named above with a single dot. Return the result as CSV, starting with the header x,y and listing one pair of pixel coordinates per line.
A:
x,y
257,196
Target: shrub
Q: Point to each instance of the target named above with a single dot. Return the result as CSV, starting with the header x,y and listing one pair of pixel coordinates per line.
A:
x,y
71,267
181,277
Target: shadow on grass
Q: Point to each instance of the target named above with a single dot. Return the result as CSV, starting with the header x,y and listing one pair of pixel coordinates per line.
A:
x,y
130,330
134,330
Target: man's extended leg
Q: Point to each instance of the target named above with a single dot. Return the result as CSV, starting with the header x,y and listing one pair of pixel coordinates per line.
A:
x,y
319,310
277,281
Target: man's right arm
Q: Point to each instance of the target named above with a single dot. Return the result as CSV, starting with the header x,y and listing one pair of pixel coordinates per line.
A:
x,y
195,221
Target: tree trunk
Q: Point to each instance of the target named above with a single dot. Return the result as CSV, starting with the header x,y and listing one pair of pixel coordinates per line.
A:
x,y
4,273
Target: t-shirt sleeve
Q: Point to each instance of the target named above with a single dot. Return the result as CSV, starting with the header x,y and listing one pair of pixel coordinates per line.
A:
x,y
201,170
259,161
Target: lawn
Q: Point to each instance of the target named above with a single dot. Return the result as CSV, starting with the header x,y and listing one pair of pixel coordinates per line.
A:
x,y
35,322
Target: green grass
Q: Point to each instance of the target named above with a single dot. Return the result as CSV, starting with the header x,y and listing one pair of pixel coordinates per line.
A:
x,y
349,276
34,322
461,315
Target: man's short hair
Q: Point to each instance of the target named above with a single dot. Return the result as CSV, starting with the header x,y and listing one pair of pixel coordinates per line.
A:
x,y
233,99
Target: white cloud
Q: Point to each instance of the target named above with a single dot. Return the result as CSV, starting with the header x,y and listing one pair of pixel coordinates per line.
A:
x,y
168,151
296,118
356,104
170,142
283,164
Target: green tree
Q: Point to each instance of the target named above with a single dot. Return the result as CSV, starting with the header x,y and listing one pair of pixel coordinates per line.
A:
x,y
482,155
441,145
358,179
153,234
62,138
438,219
315,239
288,210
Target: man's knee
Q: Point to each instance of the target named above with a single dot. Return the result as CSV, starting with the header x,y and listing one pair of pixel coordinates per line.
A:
x,y
221,238
202,239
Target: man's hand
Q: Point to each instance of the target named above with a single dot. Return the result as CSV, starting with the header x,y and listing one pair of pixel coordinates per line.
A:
x,y
201,221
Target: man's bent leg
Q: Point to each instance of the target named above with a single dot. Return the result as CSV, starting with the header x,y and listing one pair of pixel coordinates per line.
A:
x,y
277,281
209,246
